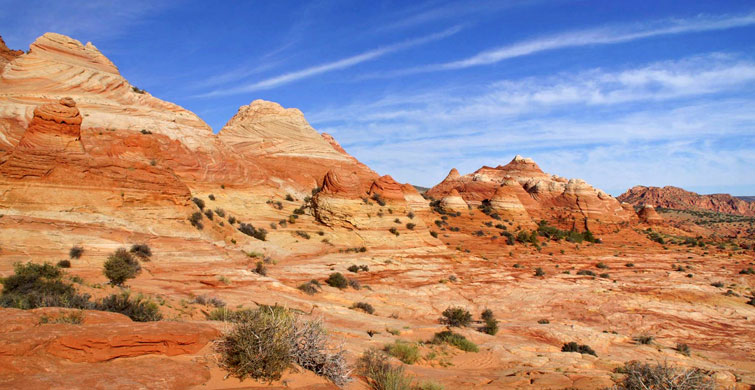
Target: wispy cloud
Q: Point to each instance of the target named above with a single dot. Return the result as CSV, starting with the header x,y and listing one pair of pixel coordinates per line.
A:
x,y
611,118
600,36
335,65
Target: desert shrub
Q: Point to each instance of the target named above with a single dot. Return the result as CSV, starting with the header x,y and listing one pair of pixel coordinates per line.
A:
x,y
364,267
64,264
434,234
211,196
141,250
220,212
299,211
289,198
198,202
120,266
605,275
271,339
747,271
574,347
302,234
260,269
39,285
137,308
601,265
337,280
249,230
456,316
353,268
410,215
642,376
539,272
378,199
231,219
410,226
364,306
629,265
455,339
491,324
380,374
196,220
394,231
643,339
683,349
209,214
585,272
717,284
75,252
543,321
310,288
353,283
406,352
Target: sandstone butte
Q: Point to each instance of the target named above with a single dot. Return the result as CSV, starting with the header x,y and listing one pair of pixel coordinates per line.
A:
x,y
678,198
87,159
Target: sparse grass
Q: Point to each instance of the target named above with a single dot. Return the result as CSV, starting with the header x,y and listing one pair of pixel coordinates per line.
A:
x,y
380,374
408,353
643,339
75,318
310,288
683,349
455,339
206,300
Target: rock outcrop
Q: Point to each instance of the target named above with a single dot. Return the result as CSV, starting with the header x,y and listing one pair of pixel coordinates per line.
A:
x,y
647,214
677,198
454,202
7,55
525,193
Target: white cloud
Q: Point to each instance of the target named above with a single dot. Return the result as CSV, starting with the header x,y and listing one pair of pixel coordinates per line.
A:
x,y
335,65
600,36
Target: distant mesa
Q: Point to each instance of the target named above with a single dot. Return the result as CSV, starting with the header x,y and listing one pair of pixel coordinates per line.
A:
x,y
677,198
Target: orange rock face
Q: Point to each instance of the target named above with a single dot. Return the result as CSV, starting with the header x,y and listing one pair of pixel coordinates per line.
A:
x,y
647,214
7,55
680,199
569,204
387,188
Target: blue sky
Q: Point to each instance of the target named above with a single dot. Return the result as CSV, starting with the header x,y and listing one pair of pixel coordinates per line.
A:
x,y
616,93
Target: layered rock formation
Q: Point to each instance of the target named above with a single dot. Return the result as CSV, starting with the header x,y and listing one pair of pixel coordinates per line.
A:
x,y
128,122
281,141
7,55
677,198
529,194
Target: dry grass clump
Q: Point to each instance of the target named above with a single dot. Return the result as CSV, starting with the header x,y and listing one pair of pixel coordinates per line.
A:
x,y
379,372
642,376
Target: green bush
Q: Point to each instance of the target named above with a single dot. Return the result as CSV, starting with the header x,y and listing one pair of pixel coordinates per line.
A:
x,y
39,285
121,266
456,316
337,280
574,347
455,339
406,352
137,308
380,374
75,252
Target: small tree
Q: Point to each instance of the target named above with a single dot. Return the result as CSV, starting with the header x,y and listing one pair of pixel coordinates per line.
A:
x,y
121,266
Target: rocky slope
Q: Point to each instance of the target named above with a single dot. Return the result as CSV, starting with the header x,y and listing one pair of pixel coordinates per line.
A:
x,y
677,198
520,191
